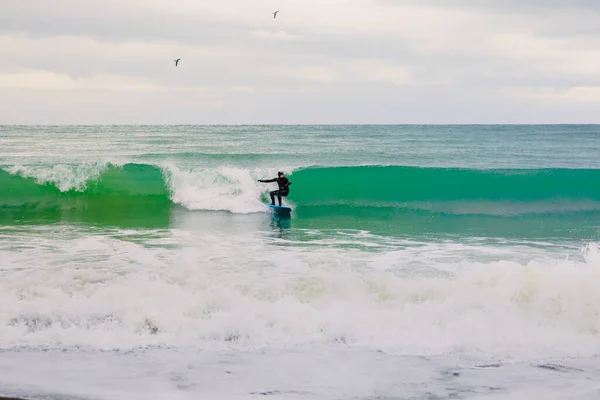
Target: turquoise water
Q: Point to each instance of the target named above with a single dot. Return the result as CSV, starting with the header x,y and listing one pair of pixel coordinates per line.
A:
x,y
507,181
147,251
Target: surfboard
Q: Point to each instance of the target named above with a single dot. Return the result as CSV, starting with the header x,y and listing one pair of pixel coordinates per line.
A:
x,y
281,210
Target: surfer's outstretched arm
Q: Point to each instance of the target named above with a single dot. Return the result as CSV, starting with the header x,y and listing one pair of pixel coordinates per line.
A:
x,y
267,180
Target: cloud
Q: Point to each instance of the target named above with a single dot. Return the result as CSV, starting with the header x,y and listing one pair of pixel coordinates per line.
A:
x,y
336,55
341,71
553,95
277,35
243,89
44,80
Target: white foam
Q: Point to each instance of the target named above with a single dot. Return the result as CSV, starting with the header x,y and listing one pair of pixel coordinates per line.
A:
x,y
245,291
219,189
64,176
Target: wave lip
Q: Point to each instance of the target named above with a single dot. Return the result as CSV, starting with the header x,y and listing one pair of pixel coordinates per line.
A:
x,y
222,189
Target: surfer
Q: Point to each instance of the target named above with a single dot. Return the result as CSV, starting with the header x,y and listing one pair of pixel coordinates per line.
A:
x,y
284,188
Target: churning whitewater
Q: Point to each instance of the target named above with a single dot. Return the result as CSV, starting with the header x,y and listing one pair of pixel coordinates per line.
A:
x,y
418,262
122,291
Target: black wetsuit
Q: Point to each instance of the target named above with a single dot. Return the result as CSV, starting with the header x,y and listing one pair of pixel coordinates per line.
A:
x,y
284,188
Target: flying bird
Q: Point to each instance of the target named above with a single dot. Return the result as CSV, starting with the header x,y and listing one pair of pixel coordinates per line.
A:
x,y
177,61
275,14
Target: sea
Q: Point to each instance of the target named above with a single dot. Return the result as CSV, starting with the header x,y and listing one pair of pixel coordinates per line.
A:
x,y
419,262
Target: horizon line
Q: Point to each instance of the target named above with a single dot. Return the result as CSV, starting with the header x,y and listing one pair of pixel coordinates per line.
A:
x,y
310,124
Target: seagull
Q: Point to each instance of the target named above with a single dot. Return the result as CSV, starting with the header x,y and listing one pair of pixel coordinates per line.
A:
x,y
177,61
275,14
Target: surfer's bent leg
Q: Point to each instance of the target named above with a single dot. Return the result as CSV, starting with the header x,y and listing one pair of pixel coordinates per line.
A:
x,y
282,193
273,194
279,194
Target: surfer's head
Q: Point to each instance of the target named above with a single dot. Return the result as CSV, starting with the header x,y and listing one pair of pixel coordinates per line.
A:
x,y
280,174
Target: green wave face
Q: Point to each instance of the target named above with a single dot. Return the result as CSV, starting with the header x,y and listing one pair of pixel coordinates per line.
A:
x,y
429,201
133,193
373,186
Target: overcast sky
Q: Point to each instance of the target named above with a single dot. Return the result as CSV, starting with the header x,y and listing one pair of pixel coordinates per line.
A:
x,y
319,61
